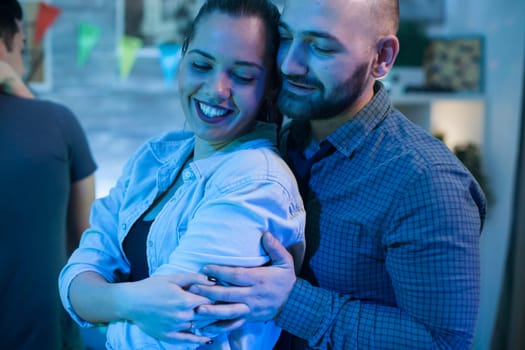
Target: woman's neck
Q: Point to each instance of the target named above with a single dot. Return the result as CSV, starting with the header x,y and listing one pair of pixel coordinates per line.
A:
x,y
204,149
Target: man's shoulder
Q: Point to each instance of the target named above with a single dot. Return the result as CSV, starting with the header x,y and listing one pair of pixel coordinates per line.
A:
x,y
40,106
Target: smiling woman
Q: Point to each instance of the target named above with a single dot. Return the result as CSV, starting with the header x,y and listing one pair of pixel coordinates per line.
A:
x,y
221,87
187,199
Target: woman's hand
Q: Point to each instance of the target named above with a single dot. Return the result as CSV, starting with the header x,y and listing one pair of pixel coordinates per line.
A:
x,y
160,306
11,83
163,308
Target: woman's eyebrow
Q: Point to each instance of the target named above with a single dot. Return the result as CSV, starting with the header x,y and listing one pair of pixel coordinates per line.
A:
x,y
239,62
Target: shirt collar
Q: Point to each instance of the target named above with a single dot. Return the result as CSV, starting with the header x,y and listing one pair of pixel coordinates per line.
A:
x,y
348,136
179,145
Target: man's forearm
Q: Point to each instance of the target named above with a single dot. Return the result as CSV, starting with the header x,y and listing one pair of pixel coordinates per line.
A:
x,y
330,320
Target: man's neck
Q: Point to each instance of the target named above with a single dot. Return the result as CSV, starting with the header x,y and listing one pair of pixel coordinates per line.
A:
x,y
322,128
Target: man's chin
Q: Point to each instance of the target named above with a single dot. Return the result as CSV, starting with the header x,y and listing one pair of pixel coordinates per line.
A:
x,y
298,115
294,107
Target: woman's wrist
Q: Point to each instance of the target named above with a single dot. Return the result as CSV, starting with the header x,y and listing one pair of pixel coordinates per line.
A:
x,y
123,300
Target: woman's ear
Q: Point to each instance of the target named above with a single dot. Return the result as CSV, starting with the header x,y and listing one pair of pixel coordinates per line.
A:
x,y
387,49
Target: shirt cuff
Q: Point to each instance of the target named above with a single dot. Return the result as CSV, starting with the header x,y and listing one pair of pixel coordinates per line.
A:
x,y
303,313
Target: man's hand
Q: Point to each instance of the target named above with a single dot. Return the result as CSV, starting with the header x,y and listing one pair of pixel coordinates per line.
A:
x,y
11,83
254,294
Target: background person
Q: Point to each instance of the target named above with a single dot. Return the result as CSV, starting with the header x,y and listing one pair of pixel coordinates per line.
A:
x,y
47,187
186,199
393,217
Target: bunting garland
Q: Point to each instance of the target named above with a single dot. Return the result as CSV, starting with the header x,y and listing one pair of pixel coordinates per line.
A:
x,y
46,16
88,36
128,47
169,61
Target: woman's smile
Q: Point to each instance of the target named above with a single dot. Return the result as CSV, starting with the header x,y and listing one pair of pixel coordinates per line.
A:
x,y
211,113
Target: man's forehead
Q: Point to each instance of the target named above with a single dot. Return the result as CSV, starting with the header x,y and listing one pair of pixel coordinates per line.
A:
x,y
322,15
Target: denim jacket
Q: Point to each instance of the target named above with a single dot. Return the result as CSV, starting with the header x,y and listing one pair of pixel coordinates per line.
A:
x,y
217,216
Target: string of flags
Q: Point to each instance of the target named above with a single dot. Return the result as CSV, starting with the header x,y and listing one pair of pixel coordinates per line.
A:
x,y
88,35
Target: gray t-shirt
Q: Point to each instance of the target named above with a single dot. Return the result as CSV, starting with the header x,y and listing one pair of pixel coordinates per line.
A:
x,y
43,150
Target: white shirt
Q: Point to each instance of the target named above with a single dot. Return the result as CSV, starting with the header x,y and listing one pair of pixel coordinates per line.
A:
x,y
216,216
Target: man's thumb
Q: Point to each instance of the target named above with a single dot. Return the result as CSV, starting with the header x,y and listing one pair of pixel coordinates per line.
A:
x,y
277,252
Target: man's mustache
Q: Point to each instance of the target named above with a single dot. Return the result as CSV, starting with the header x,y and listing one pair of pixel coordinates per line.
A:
x,y
302,80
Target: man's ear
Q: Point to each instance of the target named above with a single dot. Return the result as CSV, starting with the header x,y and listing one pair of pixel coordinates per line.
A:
x,y
387,49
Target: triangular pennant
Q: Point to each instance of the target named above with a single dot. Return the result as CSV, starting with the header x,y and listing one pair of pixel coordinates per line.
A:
x,y
128,47
88,36
170,54
46,15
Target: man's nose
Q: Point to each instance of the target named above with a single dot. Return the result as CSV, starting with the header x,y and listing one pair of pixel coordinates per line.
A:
x,y
293,59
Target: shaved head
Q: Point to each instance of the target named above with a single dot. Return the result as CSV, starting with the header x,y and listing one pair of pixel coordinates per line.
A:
x,y
382,15
385,14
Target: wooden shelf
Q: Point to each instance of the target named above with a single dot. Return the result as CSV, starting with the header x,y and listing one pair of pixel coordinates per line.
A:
x,y
459,117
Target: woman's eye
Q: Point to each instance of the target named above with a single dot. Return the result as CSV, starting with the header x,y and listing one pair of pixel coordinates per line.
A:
x,y
243,78
202,67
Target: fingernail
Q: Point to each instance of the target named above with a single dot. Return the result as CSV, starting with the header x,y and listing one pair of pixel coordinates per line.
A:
x,y
212,279
201,309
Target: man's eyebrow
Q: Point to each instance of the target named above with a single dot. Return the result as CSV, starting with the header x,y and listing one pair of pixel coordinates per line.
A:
x,y
240,63
311,33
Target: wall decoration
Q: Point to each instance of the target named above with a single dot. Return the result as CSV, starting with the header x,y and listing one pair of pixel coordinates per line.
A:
x,y
159,21
38,18
454,64
87,37
128,47
45,17
170,55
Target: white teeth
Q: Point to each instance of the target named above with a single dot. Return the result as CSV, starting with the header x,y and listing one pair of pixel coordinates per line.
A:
x,y
212,112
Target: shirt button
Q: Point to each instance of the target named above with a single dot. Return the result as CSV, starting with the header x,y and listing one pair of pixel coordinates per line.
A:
x,y
187,175
150,243
123,227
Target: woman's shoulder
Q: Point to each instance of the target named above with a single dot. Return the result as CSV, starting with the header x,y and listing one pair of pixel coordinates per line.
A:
x,y
258,163
171,136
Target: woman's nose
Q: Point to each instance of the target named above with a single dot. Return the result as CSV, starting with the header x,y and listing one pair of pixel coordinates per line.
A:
x,y
220,86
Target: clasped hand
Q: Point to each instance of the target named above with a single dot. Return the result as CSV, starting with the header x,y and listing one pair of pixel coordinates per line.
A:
x,y
167,309
172,307
254,294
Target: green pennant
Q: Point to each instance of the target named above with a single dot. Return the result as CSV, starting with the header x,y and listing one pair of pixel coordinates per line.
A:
x,y
128,47
88,36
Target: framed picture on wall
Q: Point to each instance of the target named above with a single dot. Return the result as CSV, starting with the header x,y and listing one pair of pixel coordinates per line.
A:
x,y
455,63
158,21
37,57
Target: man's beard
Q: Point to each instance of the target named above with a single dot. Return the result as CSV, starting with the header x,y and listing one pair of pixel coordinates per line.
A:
x,y
317,106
